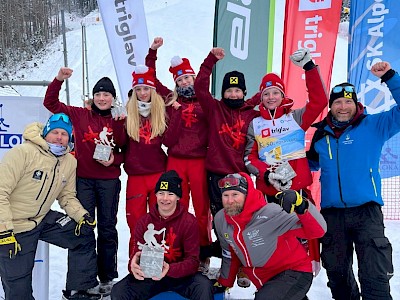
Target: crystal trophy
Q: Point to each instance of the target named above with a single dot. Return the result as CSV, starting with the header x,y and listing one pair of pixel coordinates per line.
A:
x,y
102,152
286,170
118,109
151,261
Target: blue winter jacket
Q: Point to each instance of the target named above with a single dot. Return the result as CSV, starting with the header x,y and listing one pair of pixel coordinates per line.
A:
x,y
350,164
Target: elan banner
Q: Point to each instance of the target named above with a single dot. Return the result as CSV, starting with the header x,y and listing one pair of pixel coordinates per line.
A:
x,y
244,30
126,29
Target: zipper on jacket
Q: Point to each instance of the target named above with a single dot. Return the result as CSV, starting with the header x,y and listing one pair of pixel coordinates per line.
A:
x,y
41,188
258,278
373,182
246,256
51,185
338,174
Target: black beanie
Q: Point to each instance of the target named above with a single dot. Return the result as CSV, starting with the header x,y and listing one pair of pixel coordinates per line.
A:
x,y
343,93
171,182
233,79
104,85
228,183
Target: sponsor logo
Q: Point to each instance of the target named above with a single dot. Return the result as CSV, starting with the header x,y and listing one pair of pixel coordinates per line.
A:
x,y
7,140
265,132
310,5
240,29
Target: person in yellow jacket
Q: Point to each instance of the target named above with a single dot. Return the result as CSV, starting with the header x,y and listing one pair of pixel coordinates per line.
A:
x,y
33,175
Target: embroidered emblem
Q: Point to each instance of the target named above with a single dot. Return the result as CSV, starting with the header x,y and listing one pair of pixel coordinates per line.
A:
x,y
37,175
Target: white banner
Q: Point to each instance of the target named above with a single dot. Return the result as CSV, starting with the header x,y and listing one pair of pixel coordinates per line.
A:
x,y
15,113
126,29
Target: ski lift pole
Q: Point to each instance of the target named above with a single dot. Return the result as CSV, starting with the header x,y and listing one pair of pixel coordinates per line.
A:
x,y
65,51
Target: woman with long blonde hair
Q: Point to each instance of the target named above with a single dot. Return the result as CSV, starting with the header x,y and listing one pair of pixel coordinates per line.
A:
x,y
187,153
143,135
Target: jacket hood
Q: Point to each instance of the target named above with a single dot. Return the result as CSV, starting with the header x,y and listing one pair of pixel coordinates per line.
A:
x,y
284,108
33,133
254,201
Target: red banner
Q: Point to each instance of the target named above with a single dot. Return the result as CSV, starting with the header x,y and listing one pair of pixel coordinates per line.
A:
x,y
309,24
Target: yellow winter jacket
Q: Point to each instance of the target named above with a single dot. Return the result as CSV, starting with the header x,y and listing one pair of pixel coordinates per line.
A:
x,y
31,179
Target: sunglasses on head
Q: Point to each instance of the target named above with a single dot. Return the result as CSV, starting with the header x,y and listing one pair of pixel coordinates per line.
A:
x,y
228,182
57,117
346,88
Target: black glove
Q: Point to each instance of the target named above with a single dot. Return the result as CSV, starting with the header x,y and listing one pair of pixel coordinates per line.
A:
x,y
266,177
85,226
291,200
8,244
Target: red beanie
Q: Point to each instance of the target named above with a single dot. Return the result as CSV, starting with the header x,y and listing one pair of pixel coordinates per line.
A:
x,y
272,80
180,67
143,75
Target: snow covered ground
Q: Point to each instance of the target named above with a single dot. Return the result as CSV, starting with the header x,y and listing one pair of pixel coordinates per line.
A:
x,y
187,29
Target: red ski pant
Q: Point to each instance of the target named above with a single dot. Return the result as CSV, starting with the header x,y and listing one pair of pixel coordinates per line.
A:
x,y
194,183
139,196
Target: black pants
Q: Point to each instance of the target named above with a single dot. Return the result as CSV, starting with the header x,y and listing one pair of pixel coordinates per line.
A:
x,y
288,285
214,192
196,287
103,195
361,228
57,229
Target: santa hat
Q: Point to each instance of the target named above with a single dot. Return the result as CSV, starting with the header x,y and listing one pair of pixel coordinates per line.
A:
x,y
179,67
143,75
272,80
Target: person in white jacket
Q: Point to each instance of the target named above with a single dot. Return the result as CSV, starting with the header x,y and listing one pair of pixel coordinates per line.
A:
x,y
32,176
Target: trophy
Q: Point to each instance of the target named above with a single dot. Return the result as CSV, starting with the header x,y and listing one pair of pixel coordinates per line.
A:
x,y
286,171
102,152
118,110
151,261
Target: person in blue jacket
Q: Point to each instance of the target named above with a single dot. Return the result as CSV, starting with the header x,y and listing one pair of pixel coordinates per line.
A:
x,y
347,146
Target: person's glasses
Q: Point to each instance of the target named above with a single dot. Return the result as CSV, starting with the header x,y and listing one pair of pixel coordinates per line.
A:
x,y
228,182
346,88
57,117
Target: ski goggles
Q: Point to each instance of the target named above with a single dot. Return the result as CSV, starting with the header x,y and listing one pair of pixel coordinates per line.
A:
x,y
62,116
232,180
346,88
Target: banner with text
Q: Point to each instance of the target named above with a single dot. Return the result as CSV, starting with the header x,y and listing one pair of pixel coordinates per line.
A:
x,y
15,113
245,30
374,36
313,25
126,29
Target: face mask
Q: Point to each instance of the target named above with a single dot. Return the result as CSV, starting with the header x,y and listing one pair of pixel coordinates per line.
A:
x,y
186,92
233,103
144,108
57,150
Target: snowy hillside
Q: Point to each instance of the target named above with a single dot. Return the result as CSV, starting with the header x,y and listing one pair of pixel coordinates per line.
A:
x,y
187,29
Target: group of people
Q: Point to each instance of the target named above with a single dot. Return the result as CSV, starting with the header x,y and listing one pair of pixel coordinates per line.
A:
x,y
266,229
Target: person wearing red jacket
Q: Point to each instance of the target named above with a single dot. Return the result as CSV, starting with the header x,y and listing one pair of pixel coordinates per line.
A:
x,y
187,152
171,228
275,150
98,184
142,133
263,238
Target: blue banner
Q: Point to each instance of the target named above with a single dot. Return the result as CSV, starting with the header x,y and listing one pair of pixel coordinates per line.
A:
x,y
374,36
